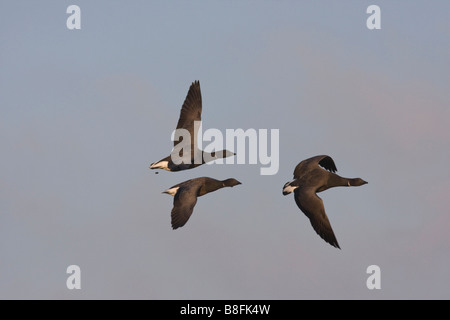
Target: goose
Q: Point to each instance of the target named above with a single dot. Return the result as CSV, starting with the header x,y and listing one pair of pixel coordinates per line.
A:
x,y
312,176
186,193
191,112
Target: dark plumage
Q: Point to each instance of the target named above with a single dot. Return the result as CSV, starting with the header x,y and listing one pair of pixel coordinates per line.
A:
x,y
191,111
309,179
186,194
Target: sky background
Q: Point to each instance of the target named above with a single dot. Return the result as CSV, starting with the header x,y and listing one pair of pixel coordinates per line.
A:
x,y
84,113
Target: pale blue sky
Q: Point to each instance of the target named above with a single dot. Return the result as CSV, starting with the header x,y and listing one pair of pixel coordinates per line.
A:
x,y
84,112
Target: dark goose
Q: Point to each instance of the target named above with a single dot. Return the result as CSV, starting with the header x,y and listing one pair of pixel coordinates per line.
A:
x,y
191,111
186,194
309,179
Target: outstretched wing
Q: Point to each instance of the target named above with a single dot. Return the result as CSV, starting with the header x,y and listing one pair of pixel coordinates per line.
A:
x,y
183,205
325,161
328,163
191,111
312,206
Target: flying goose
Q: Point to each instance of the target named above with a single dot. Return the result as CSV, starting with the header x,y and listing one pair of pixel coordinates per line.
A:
x,y
191,112
186,193
309,179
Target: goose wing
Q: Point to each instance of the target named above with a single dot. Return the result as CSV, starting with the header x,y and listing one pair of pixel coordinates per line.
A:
x,y
327,163
191,111
324,161
312,206
183,204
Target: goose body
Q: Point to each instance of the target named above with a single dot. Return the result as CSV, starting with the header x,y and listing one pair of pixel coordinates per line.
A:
x,y
189,120
312,176
186,193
